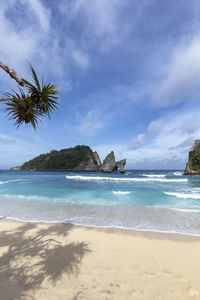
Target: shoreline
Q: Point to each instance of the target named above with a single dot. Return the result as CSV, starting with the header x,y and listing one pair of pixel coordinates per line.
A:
x,y
118,229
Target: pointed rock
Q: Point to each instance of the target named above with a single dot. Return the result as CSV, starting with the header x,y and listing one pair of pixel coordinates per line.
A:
x,y
109,165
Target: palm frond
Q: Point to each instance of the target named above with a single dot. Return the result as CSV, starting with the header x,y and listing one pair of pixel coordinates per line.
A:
x,y
31,106
22,110
43,96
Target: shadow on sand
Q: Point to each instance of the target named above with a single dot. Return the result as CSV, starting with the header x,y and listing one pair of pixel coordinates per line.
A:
x,y
32,255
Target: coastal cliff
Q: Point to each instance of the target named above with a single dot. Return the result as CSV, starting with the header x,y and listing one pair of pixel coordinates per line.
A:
x,y
77,159
193,164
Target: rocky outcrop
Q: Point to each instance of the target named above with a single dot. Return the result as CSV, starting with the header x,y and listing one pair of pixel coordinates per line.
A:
x,y
77,159
87,166
120,164
193,164
109,164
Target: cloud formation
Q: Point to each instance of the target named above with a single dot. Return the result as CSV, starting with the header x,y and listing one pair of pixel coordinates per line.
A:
x,y
153,129
169,138
181,74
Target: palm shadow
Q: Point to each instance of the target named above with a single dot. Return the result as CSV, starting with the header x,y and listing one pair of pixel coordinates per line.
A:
x,y
33,255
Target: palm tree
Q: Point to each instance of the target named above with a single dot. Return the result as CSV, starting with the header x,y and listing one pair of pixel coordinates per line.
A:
x,y
33,102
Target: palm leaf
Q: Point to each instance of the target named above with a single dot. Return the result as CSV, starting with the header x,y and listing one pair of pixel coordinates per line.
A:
x,y
22,110
31,106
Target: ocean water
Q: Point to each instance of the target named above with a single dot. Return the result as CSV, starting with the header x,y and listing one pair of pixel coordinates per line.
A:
x,y
165,201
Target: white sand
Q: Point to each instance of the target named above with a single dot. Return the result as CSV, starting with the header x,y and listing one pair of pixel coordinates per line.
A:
x,y
59,261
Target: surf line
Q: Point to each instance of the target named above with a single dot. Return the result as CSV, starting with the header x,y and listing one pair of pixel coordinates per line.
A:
x,y
97,178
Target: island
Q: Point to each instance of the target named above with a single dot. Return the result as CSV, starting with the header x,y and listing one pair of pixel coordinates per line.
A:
x,y
76,159
193,164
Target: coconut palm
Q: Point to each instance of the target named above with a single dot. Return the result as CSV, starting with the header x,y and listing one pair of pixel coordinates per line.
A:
x,y
32,103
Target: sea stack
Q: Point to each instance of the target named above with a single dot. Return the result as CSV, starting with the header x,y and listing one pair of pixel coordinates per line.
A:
x,y
109,164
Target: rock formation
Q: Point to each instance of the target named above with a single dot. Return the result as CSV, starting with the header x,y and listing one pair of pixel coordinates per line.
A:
x,y
120,164
96,158
109,164
77,159
193,164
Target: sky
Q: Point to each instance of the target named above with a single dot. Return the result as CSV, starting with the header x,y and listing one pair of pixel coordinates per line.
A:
x,y
127,72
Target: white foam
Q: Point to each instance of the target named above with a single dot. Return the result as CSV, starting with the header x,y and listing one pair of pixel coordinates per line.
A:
x,y
98,178
184,196
121,192
154,176
10,181
177,173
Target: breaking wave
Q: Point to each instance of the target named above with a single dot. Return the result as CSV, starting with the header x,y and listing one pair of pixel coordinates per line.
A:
x,y
177,173
184,196
121,192
10,181
154,176
98,178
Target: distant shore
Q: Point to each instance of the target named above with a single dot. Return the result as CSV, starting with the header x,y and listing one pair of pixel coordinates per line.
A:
x,y
65,261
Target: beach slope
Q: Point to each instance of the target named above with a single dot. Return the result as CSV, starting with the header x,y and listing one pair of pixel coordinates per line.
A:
x,y
62,261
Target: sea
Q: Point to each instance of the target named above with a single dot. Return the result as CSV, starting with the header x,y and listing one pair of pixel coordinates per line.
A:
x,y
161,200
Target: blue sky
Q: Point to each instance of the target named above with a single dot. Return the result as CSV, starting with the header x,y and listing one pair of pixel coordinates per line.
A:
x,y
127,71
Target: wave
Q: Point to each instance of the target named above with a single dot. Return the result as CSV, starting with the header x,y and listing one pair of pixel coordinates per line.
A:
x,y
177,173
121,192
152,176
98,178
10,181
184,196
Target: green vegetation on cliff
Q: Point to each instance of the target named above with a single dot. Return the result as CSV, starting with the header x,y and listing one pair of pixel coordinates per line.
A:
x,y
64,159
194,157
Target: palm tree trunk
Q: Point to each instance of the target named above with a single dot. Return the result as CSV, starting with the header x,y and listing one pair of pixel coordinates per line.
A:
x,y
12,73
6,99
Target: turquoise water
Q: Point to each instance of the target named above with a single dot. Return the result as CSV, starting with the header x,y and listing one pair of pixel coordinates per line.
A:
x,y
148,200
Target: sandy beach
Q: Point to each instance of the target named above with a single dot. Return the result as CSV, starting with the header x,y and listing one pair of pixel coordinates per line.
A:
x,y
63,261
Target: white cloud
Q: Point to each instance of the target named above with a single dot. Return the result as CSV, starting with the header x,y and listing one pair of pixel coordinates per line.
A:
x,y
101,16
92,122
142,139
15,47
81,59
166,139
104,24
42,13
181,74
29,36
